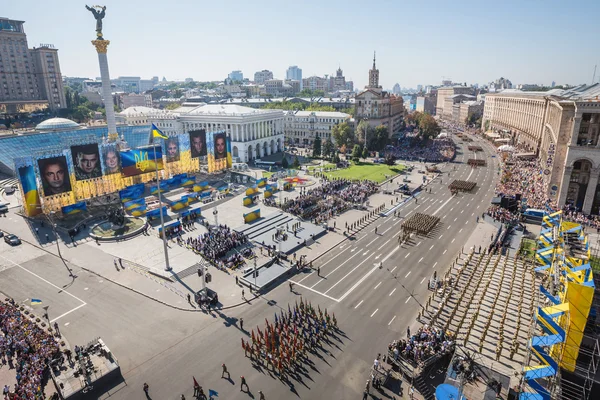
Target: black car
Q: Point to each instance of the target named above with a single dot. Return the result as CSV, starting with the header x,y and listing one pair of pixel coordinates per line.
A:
x,y
13,240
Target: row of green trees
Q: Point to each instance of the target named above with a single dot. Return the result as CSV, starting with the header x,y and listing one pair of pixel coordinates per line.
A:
x,y
425,123
365,135
79,108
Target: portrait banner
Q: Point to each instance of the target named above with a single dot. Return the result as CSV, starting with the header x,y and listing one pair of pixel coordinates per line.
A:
x,y
111,159
86,161
198,143
54,175
172,148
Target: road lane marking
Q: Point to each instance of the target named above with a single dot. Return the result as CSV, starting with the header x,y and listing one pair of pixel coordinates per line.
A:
x,y
442,206
434,264
335,270
379,248
384,232
358,304
393,269
390,254
371,242
389,323
448,227
377,286
420,259
466,222
431,246
455,219
365,253
378,257
314,291
351,271
374,312
407,300
322,265
406,256
440,236
406,276
453,240
422,280
353,250
392,292
418,244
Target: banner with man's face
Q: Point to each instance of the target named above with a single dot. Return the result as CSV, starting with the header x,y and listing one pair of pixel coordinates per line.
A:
x,y
198,143
54,175
86,161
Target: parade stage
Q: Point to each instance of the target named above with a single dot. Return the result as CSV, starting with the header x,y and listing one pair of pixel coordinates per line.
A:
x,y
268,275
262,230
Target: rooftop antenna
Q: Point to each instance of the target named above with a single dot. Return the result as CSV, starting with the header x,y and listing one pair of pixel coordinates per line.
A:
x,y
594,76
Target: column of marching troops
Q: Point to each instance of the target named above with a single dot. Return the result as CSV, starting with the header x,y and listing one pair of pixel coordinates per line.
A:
x,y
282,345
419,223
363,219
487,274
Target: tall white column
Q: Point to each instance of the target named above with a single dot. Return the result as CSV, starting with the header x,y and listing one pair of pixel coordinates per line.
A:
x,y
102,49
564,186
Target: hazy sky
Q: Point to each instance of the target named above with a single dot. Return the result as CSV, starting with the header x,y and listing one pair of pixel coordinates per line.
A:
x,y
529,41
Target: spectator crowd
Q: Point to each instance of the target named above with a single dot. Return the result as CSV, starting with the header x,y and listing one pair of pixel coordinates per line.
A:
x,y
216,243
424,344
436,150
28,349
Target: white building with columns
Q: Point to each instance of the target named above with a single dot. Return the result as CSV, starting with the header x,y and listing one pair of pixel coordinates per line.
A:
x,y
302,127
254,133
562,127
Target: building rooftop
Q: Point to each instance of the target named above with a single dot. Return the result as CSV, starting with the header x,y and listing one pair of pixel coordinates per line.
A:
x,y
57,124
329,114
136,111
227,109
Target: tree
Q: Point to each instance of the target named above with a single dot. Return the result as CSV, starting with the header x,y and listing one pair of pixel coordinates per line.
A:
x,y
296,164
172,106
356,152
343,149
390,159
284,162
428,126
342,134
317,146
328,149
365,153
379,138
487,125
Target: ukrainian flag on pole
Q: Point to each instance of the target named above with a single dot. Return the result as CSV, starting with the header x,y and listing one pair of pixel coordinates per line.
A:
x,y
157,133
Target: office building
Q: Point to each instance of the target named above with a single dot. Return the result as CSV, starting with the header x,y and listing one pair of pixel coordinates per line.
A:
x,y
315,83
236,76
302,127
561,127
261,76
379,107
30,78
294,73
448,91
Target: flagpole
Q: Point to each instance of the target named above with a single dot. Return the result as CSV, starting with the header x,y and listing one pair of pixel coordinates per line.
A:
x,y
162,219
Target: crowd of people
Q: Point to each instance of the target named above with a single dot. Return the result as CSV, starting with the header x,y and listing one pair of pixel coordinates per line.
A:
x,y
437,150
524,177
330,199
216,243
422,345
28,348
282,344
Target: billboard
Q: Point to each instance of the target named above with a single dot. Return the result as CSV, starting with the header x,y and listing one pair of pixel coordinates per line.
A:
x,y
198,143
111,159
140,161
220,146
31,200
86,161
172,148
54,175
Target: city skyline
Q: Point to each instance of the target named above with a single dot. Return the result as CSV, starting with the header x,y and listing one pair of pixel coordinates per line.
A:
x,y
179,45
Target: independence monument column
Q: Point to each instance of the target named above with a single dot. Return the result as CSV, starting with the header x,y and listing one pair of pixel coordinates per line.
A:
x,y
102,47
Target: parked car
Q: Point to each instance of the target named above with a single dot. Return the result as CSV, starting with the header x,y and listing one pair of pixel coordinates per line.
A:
x,y
1,234
13,240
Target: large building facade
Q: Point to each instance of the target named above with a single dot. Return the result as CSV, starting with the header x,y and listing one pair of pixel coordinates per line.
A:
x,y
302,127
444,109
254,133
377,106
294,73
30,79
563,128
261,76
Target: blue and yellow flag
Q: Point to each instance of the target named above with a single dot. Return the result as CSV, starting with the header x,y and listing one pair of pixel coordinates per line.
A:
x,y
35,302
157,133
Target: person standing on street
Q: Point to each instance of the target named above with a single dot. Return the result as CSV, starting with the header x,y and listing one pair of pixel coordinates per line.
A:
x,y
146,388
244,384
225,371
242,324
56,329
262,395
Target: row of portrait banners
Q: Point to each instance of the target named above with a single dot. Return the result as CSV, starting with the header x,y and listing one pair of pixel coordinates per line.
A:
x,y
57,173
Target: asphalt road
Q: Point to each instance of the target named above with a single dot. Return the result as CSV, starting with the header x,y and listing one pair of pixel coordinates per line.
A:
x,y
166,347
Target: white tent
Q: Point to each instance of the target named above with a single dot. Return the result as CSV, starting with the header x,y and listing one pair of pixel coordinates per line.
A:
x,y
506,148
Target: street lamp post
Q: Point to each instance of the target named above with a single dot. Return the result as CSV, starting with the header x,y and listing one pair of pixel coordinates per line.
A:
x,y
53,225
216,213
255,285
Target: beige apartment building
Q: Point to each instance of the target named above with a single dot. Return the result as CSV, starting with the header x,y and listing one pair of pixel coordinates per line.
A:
x,y
562,128
448,91
29,78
